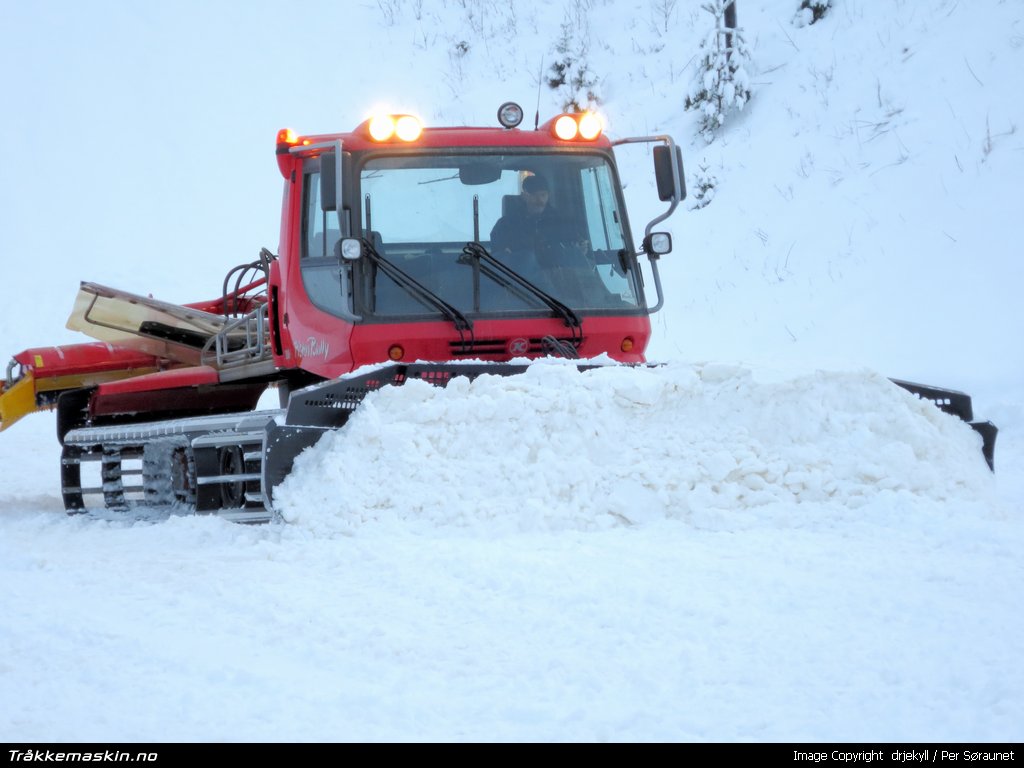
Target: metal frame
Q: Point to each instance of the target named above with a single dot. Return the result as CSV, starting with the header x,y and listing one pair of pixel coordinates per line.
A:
x,y
676,199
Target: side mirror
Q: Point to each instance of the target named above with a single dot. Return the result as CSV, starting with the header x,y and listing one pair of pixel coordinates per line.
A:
x,y
658,243
331,194
328,184
474,174
350,249
663,173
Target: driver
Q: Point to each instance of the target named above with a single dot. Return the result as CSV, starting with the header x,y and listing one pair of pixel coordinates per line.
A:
x,y
534,225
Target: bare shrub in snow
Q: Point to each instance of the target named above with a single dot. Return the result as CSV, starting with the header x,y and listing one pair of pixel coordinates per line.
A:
x,y
811,11
570,73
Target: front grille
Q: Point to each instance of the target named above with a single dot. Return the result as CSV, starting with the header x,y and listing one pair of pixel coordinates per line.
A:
x,y
526,347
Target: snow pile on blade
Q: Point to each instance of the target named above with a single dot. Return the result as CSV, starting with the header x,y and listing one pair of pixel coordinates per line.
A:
x,y
557,449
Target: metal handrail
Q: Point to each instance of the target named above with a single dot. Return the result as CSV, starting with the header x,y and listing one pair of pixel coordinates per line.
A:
x,y
256,347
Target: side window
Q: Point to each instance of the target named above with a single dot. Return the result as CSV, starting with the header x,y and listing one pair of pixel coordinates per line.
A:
x,y
320,227
606,233
319,266
313,220
602,213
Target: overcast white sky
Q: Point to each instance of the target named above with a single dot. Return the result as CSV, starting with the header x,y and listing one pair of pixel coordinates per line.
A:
x,y
761,542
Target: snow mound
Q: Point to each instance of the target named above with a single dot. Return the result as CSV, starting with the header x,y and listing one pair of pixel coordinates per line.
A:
x,y
560,449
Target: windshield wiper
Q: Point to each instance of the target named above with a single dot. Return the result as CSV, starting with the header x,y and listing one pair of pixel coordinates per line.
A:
x,y
500,272
418,291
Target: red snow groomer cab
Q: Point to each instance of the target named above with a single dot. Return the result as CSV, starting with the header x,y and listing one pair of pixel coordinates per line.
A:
x,y
459,243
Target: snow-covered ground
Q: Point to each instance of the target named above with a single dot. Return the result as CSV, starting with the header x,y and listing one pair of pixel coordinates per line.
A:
x,y
761,540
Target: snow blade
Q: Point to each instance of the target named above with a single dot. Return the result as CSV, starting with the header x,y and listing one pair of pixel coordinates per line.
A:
x,y
327,406
957,404
320,408
280,447
330,403
988,432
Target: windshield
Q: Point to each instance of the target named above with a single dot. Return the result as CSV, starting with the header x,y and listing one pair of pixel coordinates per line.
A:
x,y
553,219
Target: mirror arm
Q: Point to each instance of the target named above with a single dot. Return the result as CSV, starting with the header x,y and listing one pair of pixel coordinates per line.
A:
x,y
677,182
676,198
657,285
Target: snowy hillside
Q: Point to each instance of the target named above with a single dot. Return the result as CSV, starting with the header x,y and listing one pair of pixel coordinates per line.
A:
x,y
761,540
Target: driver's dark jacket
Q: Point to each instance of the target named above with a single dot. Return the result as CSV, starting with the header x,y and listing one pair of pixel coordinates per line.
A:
x,y
521,231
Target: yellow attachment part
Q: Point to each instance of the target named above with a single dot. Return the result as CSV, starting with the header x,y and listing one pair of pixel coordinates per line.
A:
x,y
76,381
17,400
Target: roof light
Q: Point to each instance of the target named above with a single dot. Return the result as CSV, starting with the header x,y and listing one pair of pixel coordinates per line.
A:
x,y
382,127
566,128
590,126
585,126
408,128
510,114
387,127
